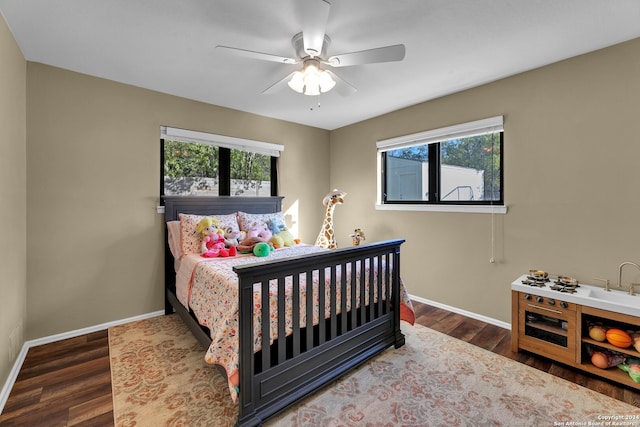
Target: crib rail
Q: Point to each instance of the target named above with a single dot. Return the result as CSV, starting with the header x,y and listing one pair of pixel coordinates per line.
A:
x,y
351,328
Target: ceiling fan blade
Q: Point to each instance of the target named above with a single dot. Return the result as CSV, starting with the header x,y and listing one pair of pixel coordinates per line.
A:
x,y
315,14
257,55
279,85
380,54
342,87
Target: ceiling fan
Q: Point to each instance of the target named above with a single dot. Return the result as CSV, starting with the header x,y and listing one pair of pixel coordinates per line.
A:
x,y
311,47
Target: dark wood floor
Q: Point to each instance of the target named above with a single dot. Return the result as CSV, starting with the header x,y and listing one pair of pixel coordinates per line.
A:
x,y
68,383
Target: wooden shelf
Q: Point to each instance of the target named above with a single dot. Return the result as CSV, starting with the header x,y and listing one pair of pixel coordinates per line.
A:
x,y
614,374
603,344
623,321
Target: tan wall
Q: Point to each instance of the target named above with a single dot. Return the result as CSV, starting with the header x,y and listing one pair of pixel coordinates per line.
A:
x,y
95,240
572,175
13,186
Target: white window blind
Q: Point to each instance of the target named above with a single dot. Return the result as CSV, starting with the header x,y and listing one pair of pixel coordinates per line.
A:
x,y
183,135
464,130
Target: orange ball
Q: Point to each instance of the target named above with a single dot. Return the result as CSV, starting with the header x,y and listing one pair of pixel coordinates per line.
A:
x,y
618,338
600,360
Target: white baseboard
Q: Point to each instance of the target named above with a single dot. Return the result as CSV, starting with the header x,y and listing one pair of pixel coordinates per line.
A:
x,y
476,316
13,375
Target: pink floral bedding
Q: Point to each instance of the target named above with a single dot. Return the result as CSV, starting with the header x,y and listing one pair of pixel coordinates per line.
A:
x,y
210,288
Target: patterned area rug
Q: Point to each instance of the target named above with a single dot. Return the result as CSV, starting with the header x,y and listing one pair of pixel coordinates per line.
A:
x,y
160,379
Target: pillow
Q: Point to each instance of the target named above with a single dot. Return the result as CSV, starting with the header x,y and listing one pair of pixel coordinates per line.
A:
x,y
245,219
173,235
190,240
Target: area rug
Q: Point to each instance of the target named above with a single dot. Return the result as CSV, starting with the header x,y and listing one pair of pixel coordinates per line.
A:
x,y
160,379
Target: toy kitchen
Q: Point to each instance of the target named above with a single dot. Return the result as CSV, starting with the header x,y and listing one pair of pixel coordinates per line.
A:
x,y
593,328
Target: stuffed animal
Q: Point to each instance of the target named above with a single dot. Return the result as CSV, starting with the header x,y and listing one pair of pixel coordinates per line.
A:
x,y
288,238
262,249
274,226
281,235
277,242
248,245
232,237
357,236
257,233
326,237
212,244
260,230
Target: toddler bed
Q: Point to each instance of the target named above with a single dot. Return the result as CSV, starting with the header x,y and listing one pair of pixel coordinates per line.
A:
x,y
242,308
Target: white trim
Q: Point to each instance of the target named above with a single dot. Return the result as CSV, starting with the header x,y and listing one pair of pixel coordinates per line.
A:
x,y
13,374
17,365
463,130
482,209
90,329
265,148
472,315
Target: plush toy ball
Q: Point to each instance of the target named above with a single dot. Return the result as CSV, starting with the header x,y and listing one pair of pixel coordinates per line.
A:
x,y
636,340
618,338
261,249
600,360
598,333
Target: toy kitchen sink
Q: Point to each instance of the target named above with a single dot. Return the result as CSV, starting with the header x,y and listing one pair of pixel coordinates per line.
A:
x,y
551,317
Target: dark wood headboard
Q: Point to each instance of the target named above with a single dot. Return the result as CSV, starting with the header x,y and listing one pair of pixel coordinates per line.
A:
x,y
208,205
218,205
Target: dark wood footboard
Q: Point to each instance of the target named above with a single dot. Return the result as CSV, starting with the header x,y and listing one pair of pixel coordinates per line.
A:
x,y
311,358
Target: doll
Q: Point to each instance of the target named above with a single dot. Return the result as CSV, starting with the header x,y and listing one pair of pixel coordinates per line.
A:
x,y
212,241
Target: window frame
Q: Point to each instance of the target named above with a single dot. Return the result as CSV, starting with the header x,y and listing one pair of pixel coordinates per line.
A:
x,y
225,144
433,138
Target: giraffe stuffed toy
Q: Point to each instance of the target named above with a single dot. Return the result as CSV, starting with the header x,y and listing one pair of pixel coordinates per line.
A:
x,y
357,237
326,237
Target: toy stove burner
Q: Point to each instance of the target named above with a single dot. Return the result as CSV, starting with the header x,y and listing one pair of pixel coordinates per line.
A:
x,y
532,281
536,278
565,284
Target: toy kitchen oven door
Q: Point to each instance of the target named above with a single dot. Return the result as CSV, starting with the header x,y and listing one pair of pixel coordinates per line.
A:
x,y
545,326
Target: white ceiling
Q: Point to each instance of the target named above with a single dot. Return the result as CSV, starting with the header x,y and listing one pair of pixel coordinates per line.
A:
x,y
451,45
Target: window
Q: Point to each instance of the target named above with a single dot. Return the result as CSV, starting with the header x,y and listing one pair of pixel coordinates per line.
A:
x,y
456,165
197,163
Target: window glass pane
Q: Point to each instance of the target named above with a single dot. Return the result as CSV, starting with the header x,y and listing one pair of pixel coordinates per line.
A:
x,y
407,173
250,174
190,168
470,168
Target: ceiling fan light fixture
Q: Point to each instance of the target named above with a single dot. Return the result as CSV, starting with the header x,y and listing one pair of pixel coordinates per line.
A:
x,y
312,90
311,80
297,82
326,82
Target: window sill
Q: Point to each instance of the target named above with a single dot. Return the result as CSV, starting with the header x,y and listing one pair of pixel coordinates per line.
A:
x,y
443,208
